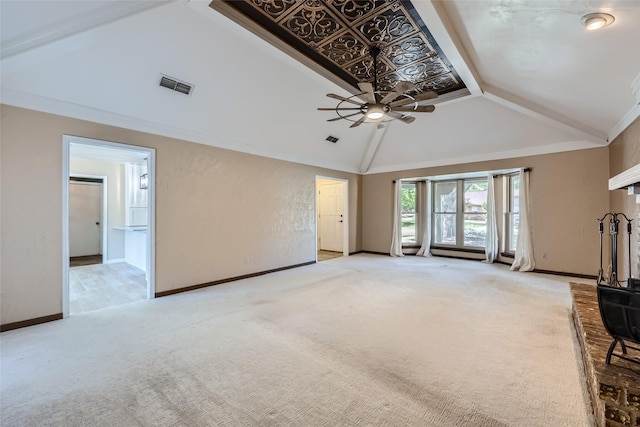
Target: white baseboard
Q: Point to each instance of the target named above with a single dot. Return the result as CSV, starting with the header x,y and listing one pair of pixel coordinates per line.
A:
x,y
113,261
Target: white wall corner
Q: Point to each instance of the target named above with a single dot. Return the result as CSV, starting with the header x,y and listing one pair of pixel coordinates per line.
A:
x,y
624,123
631,115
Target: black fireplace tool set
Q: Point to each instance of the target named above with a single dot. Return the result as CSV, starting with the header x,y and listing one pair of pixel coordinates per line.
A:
x,y
619,306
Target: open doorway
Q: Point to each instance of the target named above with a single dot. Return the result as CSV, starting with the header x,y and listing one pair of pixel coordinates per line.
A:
x,y
332,222
108,214
87,202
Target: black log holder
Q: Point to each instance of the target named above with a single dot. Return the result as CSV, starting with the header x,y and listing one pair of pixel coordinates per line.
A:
x,y
619,306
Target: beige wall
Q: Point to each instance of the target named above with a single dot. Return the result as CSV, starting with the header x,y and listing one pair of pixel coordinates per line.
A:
x,y
115,199
624,153
219,213
568,192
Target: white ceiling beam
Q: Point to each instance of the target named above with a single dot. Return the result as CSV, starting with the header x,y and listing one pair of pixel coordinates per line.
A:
x,y
372,148
543,114
442,30
101,16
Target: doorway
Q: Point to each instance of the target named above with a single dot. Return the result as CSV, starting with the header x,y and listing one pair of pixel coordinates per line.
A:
x,y
332,222
87,198
108,213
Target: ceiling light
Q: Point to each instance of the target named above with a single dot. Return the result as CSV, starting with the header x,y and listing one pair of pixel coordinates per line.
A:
x,y
594,21
375,112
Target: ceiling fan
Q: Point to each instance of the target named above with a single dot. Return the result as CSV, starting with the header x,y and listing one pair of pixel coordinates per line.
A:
x,y
381,106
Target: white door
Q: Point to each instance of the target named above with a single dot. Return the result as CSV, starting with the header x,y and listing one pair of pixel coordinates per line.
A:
x,y
85,213
331,217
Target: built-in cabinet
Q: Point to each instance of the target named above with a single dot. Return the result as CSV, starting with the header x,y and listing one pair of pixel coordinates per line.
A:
x,y
136,217
137,199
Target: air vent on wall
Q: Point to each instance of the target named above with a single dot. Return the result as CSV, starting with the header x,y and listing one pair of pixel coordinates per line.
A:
x,y
332,139
177,85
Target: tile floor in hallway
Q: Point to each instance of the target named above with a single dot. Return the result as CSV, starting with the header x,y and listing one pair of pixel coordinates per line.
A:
x,y
92,287
326,255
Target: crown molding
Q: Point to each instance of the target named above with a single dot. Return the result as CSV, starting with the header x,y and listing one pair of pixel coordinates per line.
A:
x,y
76,111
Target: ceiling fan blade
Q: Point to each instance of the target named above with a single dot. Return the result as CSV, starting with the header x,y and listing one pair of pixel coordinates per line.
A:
x,y
335,119
367,89
419,97
418,109
337,109
359,122
342,98
400,88
402,117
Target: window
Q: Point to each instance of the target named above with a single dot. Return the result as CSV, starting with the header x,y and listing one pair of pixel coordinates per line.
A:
x,y
513,214
460,213
408,196
445,205
475,213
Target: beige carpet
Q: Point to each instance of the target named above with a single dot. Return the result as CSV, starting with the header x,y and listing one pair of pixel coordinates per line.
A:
x,y
356,341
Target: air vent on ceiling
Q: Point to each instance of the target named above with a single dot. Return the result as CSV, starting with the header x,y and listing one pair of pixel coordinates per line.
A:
x,y
177,85
332,139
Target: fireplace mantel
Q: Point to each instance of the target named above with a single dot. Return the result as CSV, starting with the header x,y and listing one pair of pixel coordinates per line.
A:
x,y
627,179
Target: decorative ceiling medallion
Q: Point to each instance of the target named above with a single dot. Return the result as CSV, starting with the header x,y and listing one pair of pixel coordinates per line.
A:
x,y
337,35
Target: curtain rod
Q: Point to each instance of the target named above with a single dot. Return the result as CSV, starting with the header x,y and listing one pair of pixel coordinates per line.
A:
x,y
503,174
495,176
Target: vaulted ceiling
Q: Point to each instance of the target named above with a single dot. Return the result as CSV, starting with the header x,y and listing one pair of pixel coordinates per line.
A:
x,y
529,78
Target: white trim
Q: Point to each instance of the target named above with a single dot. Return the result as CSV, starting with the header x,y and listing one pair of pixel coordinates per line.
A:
x,y
624,122
509,154
76,111
345,227
104,220
151,156
65,227
151,229
87,21
372,148
113,261
626,178
543,114
635,88
442,29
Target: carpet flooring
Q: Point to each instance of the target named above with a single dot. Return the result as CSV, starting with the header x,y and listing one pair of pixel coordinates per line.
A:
x,y
365,340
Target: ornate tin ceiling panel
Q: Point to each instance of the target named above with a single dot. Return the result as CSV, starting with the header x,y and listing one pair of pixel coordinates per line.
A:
x,y
337,34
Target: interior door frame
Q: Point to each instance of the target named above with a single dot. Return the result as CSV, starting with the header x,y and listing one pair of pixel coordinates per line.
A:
x,y
151,237
345,227
103,212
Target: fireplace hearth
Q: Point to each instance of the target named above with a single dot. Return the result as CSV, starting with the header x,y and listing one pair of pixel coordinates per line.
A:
x,y
614,389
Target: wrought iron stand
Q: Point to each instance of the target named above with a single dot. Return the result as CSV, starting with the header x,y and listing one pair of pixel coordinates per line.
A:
x,y
619,306
614,224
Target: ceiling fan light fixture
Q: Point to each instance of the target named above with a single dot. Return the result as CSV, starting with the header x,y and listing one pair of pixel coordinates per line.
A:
x,y
375,112
595,21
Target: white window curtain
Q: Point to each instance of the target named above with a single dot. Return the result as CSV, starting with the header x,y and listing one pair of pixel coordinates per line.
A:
x,y
425,218
396,240
491,242
524,247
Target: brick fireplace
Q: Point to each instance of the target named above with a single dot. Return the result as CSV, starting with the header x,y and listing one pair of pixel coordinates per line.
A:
x,y
614,389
